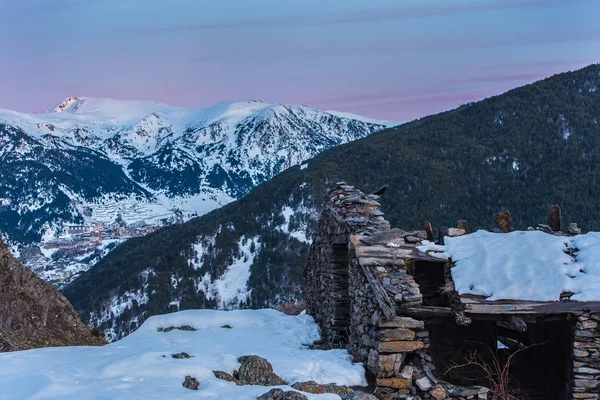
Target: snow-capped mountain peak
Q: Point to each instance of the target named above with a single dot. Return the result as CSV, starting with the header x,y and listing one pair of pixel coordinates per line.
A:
x,y
68,104
109,155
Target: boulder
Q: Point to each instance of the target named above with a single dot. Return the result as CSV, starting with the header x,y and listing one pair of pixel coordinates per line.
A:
x,y
574,229
278,394
504,221
190,383
255,370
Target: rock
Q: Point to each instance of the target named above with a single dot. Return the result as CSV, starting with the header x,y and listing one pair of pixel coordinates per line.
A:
x,y
462,224
181,328
428,230
190,383
544,228
181,355
384,365
317,388
399,346
453,232
226,377
504,221
574,229
424,383
356,220
438,392
407,372
256,370
400,322
587,383
358,395
554,216
278,394
467,391
395,383
388,335
410,239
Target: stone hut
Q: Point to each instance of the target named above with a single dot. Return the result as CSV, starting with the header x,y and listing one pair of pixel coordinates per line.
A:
x,y
421,318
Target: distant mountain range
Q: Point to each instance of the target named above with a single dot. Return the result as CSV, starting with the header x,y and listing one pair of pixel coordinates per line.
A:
x,y
97,159
524,150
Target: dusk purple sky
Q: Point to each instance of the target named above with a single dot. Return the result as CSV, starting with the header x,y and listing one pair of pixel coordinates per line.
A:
x,y
394,59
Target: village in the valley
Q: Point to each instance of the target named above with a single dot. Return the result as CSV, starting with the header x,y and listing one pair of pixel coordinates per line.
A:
x,y
77,247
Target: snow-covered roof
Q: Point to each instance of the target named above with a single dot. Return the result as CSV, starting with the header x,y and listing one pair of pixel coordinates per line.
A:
x,y
523,265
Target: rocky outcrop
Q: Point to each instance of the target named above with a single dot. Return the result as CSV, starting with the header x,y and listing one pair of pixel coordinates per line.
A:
x,y
33,313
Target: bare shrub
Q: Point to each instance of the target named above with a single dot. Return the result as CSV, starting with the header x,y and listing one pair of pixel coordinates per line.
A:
x,y
497,372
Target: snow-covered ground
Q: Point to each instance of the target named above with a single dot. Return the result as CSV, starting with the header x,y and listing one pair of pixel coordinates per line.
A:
x,y
523,265
140,366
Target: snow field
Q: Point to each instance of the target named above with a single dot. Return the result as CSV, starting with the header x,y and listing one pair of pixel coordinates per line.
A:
x,y
140,366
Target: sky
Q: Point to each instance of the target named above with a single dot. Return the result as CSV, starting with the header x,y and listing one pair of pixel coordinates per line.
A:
x,y
388,59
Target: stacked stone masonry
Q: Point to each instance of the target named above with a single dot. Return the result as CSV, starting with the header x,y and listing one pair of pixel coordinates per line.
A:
x,y
586,357
361,288
394,349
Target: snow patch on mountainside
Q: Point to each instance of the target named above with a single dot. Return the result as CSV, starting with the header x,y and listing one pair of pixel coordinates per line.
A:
x,y
119,304
299,229
388,123
140,366
231,288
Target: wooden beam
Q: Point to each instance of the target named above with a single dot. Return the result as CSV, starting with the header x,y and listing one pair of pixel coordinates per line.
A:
x,y
425,311
386,304
474,305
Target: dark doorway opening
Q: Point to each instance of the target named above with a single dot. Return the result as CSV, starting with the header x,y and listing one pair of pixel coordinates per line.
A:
x,y
339,292
540,371
431,277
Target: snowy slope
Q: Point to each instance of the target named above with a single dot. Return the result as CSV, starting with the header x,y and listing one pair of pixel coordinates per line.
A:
x,y
141,367
108,156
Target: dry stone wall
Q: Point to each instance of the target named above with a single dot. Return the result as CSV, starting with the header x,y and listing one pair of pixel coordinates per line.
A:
x,y
586,357
357,271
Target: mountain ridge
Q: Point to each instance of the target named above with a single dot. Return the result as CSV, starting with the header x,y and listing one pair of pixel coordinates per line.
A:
x,y
143,162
